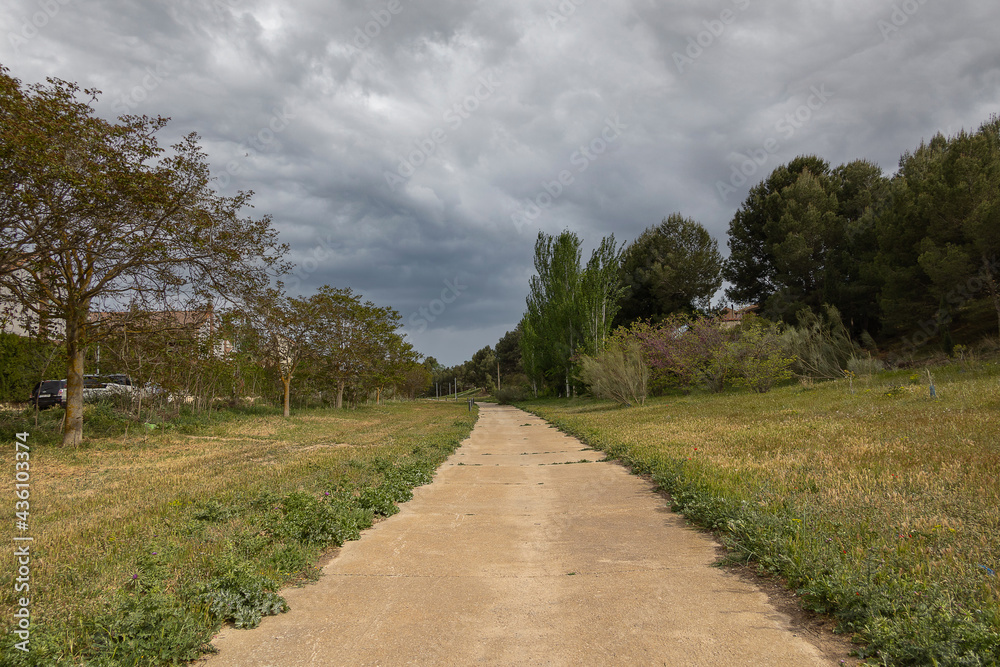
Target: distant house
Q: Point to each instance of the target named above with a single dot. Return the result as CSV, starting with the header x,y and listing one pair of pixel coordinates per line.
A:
x,y
21,321
200,324
731,319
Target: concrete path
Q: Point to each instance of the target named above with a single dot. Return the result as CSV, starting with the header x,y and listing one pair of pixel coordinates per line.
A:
x,y
524,551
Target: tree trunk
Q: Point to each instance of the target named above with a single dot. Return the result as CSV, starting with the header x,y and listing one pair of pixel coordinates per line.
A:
x,y
340,394
287,384
73,422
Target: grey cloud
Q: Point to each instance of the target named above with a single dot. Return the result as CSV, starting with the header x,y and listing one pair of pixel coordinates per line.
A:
x,y
225,68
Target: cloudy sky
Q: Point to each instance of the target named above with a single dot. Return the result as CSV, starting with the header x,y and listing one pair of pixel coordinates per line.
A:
x,y
412,150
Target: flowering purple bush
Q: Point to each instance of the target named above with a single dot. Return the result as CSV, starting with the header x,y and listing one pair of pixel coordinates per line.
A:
x,y
698,352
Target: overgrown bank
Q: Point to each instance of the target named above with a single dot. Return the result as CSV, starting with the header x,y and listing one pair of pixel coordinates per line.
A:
x,y
880,506
145,545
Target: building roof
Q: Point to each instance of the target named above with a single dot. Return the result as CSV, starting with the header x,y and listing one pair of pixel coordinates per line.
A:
x,y
730,315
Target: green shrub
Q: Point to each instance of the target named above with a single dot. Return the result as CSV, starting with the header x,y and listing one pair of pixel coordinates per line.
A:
x,y
311,521
150,627
23,362
757,356
379,499
820,344
864,366
510,395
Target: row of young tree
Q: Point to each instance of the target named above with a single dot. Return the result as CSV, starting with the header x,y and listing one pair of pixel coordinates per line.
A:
x,y
344,342
105,232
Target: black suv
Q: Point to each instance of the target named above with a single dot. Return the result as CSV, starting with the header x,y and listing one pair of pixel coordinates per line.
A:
x,y
49,393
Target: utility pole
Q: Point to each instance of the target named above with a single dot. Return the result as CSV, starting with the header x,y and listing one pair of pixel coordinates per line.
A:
x,y
498,376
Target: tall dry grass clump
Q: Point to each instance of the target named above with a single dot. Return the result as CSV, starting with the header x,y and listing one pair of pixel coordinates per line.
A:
x,y
619,373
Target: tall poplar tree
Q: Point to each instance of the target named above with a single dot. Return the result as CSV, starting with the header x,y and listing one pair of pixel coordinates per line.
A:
x,y
570,308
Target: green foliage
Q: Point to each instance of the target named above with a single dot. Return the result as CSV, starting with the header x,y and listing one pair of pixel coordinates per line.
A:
x,y
757,355
379,499
508,353
751,264
148,624
570,308
618,373
805,237
150,628
508,395
939,248
43,425
242,596
105,419
307,519
23,362
672,267
482,369
213,511
552,323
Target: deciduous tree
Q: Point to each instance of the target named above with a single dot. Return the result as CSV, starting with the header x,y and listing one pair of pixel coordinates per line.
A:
x,y
99,213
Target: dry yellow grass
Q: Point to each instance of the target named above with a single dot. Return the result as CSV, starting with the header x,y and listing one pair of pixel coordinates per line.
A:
x,y
98,511
873,503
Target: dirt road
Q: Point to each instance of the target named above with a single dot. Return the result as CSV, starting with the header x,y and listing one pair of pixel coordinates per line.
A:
x,y
525,551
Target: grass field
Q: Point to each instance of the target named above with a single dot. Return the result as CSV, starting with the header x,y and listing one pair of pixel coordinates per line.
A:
x,y
145,543
879,505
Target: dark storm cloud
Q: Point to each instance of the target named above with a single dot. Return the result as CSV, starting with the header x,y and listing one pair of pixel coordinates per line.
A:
x,y
413,150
